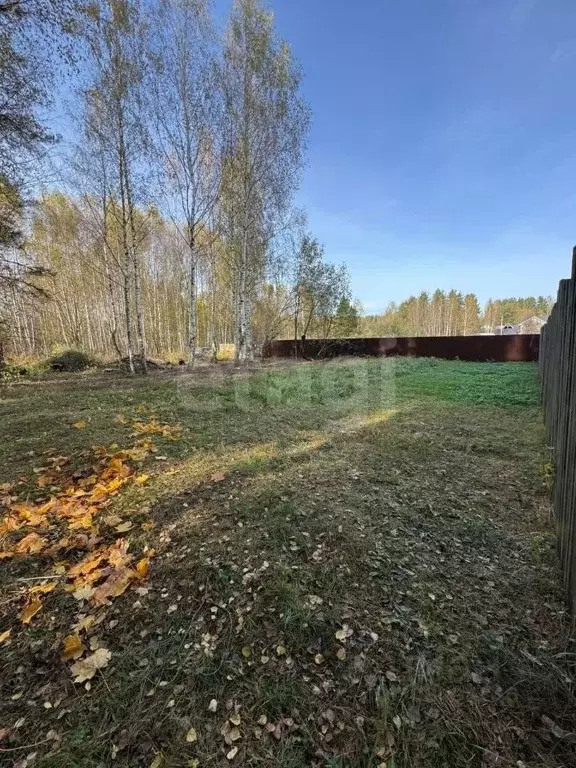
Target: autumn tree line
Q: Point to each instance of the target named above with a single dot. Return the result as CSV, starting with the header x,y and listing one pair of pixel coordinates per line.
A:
x,y
451,313
167,224
171,224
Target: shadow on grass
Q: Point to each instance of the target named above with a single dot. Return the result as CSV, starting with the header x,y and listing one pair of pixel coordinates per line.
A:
x,y
382,524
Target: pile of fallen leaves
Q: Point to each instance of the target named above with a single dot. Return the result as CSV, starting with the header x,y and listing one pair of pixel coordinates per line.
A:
x,y
71,535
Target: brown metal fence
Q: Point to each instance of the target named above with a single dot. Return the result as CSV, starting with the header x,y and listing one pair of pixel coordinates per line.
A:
x,y
477,348
558,378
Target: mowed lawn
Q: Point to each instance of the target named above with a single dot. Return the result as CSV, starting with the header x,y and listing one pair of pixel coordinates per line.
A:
x,y
334,564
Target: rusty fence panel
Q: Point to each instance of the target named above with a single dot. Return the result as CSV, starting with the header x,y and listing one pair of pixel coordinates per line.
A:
x,y
558,381
473,348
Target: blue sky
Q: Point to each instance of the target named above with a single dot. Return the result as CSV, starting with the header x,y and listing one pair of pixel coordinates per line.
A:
x,y
443,146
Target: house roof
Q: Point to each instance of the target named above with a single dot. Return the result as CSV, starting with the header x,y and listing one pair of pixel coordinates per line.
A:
x,y
533,317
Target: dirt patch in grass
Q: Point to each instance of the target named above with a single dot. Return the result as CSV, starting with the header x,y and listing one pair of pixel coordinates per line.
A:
x,y
354,566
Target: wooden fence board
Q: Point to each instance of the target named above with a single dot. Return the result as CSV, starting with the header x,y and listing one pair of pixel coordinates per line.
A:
x,y
558,382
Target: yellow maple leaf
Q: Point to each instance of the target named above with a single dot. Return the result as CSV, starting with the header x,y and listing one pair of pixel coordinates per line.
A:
x,y
80,424
30,515
141,479
123,527
30,609
85,521
5,635
73,647
87,564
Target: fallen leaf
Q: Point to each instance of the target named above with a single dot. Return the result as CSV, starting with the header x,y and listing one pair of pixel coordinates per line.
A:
x,y
117,555
553,728
235,719
114,586
124,527
141,479
30,609
235,734
343,634
262,720
392,676
87,668
143,567
476,679
158,760
191,736
217,477
84,623
319,659
41,589
341,654
73,647
89,563
232,754
120,419
112,520
5,635
30,544
84,593
213,706
80,424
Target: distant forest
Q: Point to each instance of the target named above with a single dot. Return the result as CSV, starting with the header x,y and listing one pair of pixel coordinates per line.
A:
x,y
450,314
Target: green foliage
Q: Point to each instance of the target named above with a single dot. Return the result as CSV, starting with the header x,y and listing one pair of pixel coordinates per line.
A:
x,y
451,314
323,306
70,361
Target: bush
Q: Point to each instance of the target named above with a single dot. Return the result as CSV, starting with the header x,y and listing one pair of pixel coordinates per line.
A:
x,y
70,361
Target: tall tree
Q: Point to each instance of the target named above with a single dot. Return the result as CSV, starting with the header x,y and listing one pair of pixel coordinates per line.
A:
x,y
186,107
471,315
116,121
265,124
34,40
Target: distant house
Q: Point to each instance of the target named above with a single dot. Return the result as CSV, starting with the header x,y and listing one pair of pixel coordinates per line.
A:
x,y
505,330
531,324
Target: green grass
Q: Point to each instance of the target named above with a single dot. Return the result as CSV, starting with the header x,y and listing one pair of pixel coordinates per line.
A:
x,y
404,499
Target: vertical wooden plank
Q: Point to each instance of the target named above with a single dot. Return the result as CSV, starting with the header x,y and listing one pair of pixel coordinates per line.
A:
x,y
557,364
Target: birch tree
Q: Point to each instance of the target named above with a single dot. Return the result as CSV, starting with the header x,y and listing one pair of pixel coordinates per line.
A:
x,y
116,122
265,124
186,102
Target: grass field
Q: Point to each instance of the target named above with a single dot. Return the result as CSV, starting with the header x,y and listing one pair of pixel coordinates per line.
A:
x,y
353,565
